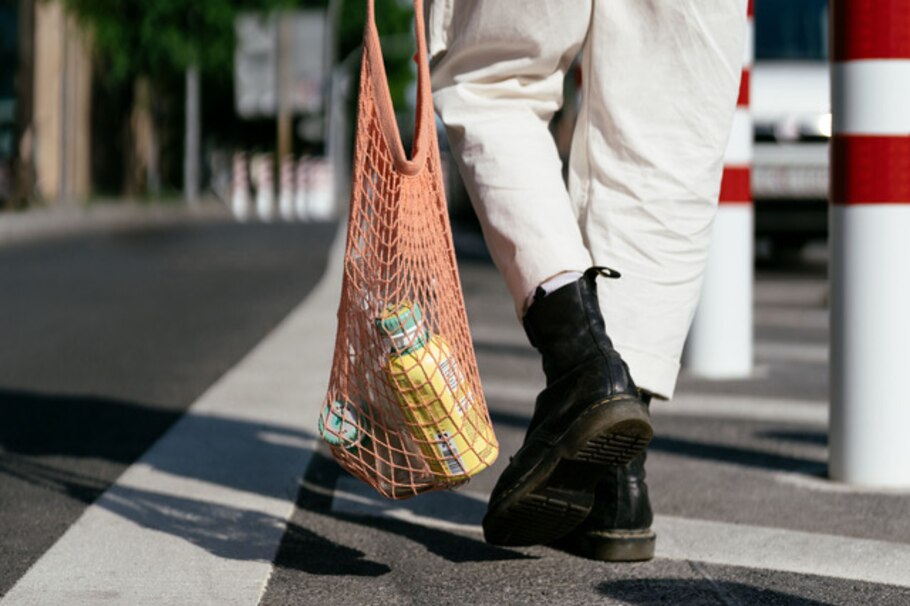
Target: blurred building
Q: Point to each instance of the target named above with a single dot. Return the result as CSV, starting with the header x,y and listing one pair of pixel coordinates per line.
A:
x,y
45,103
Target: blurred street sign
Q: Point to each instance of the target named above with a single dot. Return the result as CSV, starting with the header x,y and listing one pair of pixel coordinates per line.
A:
x,y
256,62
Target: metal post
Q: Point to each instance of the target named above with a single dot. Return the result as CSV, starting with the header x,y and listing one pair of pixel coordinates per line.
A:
x,y
720,341
283,67
191,136
870,247
64,194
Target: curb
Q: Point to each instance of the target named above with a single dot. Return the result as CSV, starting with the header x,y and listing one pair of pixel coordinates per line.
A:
x,y
43,224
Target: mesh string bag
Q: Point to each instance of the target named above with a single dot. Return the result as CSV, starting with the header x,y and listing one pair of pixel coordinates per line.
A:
x,y
404,411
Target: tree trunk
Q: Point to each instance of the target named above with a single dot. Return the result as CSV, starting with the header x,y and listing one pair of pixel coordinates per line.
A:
x,y
143,172
24,167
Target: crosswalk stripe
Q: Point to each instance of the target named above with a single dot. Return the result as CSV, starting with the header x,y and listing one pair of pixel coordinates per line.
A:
x,y
199,518
692,404
679,538
783,550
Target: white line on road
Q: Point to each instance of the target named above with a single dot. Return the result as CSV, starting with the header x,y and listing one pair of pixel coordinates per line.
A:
x,y
784,550
780,351
705,541
784,410
765,350
199,518
687,404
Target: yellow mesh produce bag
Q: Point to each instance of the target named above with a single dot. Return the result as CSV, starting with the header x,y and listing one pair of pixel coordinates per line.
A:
x,y
404,411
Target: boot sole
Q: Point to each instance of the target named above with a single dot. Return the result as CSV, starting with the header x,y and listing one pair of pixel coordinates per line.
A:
x,y
557,494
610,545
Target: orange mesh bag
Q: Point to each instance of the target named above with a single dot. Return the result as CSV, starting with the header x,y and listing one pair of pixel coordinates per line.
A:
x,y
404,411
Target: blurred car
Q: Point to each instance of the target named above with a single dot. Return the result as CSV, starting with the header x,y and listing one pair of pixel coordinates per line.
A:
x,y
792,116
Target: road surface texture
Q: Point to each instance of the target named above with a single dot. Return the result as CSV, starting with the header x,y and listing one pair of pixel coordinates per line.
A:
x,y
108,336
237,502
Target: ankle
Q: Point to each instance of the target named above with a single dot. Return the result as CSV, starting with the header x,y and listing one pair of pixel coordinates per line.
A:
x,y
549,285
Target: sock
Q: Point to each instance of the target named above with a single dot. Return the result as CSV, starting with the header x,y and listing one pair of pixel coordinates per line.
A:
x,y
554,283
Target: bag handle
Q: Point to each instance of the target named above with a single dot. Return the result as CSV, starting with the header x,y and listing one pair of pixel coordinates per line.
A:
x,y
424,124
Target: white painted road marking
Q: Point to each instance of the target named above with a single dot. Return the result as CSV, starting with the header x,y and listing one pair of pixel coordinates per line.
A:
x,y
688,404
199,518
784,550
705,541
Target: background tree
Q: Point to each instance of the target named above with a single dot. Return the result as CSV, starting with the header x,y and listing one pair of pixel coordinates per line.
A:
x,y
149,49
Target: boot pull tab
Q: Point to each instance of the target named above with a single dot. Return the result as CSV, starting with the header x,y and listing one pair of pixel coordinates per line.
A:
x,y
592,273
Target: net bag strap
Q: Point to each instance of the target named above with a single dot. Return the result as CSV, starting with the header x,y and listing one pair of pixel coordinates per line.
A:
x,y
424,127
404,410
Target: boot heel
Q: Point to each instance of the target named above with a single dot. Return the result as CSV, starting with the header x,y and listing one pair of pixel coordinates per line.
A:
x,y
610,546
623,431
614,448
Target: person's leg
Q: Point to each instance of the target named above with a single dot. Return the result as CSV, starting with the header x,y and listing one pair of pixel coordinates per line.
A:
x,y
498,81
660,86
498,72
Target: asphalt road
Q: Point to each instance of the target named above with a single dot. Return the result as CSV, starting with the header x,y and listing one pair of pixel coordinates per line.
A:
x,y
745,476
108,337
114,335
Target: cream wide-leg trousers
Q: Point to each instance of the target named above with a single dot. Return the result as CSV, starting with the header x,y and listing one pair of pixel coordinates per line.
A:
x,y
660,82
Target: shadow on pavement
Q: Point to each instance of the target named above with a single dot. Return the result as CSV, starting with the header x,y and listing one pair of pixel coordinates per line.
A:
x,y
80,445
43,438
647,592
304,550
236,534
316,497
736,455
815,438
225,531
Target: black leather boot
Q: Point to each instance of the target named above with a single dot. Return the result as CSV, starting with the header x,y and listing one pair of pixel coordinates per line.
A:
x,y
587,419
618,528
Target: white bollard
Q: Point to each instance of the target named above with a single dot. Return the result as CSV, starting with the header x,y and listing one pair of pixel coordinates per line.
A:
x,y
286,189
264,181
720,340
240,189
321,191
870,245
300,199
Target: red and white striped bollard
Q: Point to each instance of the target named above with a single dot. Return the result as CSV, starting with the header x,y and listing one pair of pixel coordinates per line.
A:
x,y
870,243
303,185
286,189
720,342
321,191
264,181
240,190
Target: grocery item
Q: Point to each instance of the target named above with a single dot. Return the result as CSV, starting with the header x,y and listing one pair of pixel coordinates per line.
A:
x,y
435,400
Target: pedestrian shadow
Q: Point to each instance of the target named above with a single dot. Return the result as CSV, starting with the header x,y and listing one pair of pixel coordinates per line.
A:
x,y
654,592
39,432
233,533
319,493
41,435
52,425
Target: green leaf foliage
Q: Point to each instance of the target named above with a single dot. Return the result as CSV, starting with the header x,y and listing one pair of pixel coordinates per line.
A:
x,y
163,37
